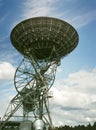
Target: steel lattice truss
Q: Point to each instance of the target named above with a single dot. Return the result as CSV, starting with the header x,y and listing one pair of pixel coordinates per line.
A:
x,y
32,81
43,41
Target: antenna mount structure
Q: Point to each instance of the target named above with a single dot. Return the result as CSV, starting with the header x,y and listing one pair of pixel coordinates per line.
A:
x,y
43,41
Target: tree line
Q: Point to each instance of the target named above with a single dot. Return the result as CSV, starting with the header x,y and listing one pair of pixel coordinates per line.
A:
x,y
79,127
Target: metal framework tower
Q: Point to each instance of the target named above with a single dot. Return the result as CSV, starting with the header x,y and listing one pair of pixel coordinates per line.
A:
x,y
43,41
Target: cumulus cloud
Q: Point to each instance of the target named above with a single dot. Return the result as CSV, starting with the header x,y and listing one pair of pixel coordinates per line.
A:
x,y
6,71
74,98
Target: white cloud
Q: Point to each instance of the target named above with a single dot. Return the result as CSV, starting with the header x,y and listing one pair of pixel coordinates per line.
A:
x,y
74,98
32,8
53,8
82,19
6,94
6,71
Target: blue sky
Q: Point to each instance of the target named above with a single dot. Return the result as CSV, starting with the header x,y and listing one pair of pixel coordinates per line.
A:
x,y
76,76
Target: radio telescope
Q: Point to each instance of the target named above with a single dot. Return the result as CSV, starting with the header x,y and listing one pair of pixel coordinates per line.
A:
x,y
43,41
